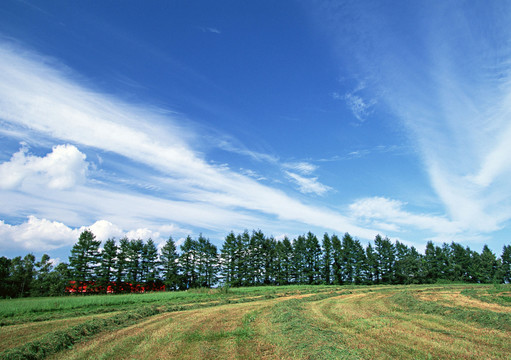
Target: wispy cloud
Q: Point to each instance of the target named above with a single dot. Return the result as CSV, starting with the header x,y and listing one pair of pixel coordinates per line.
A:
x,y
308,185
448,81
304,168
45,101
389,214
227,145
355,101
212,30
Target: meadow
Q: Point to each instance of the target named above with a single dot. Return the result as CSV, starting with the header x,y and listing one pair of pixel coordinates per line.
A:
x,y
451,321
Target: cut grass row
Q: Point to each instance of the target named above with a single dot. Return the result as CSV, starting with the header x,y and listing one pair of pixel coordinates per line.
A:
x,y
378,322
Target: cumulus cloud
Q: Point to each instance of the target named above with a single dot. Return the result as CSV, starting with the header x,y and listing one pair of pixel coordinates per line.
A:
x,y
104,229
63,168
37,234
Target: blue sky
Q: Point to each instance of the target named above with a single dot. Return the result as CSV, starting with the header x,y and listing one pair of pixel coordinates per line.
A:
x,y
157,118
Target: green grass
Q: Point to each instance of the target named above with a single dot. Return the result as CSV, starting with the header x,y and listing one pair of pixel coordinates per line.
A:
x,y
287,322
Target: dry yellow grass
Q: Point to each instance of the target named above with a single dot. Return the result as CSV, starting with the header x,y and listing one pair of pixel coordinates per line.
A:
x,y
14,335
455,298
371,323
356,322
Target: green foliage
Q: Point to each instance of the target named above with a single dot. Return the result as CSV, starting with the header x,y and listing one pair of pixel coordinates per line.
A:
x,y
85,257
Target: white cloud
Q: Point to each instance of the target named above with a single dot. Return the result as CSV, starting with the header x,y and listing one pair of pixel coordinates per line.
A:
x,y
360,107
63,168
302,167
37,234
211,30
449,84
227,145
378,209
308,185
104,229
45,101
142,234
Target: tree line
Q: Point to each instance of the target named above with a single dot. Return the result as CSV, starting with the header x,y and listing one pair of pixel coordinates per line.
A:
x,y
249,259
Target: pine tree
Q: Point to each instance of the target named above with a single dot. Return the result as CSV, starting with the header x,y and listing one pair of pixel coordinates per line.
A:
x,y
488,266
373,272
460,262
5,277
122,264
150,263
269,260
347,259
242,260
386,256
312,259
170,265
360,262
286,260
187,260
41,283
84,257
107,267
327,259
506,263
337,255
133,260
60,277
299,259
228,260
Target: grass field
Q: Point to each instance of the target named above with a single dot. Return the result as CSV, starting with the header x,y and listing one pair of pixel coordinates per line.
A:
x,y
288,322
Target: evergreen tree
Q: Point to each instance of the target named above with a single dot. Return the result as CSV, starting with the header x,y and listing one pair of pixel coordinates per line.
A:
x,y
488,266
373,268
107,268
327,259
243,257
229,272
460,262
312,259
269,255
134,260
506,263
337,255
256,259
59,279
348,261
360,262
280,258
5,277
84,257
187,260
122,262
170,265
150,263
299,259
285,258
210,264
385,252
432,263
41,283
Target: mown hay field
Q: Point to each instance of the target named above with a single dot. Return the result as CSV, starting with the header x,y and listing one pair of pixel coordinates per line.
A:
x,y
288,322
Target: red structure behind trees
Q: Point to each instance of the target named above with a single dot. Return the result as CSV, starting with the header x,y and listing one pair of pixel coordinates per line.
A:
x,y
92,287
